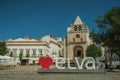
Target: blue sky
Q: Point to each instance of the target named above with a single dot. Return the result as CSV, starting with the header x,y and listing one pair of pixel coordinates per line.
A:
x,y
37,18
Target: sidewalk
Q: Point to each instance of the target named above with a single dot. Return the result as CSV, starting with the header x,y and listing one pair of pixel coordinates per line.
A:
x,y
22,69
29,73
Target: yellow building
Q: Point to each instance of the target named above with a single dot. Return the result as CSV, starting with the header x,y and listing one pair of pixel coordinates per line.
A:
x,y
77,40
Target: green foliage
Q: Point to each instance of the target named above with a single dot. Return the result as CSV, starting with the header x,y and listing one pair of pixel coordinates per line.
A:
x,y
111,23
95,36
3,48
20,56
93,51
118,52
27,55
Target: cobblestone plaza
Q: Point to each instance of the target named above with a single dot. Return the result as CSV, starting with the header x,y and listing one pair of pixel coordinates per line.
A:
x,y
30,73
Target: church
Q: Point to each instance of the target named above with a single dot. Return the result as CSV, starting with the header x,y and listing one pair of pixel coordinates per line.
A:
x,y
77,40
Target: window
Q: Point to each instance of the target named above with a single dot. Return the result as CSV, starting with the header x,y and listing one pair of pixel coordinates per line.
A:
x,y
34,52
81,39
79,27
40,52
75,28
8,51
73,39
77,36
15,52
21,51
27,53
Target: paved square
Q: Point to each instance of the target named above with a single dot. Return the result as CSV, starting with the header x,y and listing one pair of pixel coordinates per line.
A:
x,y
29,73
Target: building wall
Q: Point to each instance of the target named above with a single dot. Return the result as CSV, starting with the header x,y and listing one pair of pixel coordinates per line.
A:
x,y
45,46
38,50
77,40
55,45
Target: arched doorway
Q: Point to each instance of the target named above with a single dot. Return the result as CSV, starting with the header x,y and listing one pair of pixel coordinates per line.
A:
x,y
78,52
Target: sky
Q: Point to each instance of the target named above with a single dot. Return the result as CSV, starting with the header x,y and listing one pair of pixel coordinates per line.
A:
x,y
38,18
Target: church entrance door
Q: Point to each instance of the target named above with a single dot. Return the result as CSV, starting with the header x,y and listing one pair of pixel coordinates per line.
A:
x,y
78,52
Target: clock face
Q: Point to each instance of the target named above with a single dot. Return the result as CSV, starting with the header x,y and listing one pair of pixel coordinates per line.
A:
x,y
77,36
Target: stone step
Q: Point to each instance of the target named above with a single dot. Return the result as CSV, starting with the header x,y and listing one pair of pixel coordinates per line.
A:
x,y
86,71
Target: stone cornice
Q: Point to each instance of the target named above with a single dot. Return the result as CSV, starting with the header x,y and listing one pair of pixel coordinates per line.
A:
x,y
76,43
24,43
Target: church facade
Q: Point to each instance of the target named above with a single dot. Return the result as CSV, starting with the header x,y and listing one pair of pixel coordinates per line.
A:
x,y
77,40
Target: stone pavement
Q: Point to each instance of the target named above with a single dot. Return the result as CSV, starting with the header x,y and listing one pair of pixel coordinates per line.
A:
x,y
21,69
29,73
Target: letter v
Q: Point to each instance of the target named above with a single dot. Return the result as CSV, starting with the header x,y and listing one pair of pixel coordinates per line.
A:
x,y
79,66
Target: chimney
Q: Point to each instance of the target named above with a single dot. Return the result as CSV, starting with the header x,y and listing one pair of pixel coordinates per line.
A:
x,y
27,37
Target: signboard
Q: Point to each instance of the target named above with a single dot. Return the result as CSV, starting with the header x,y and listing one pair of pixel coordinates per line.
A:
x,y
87,63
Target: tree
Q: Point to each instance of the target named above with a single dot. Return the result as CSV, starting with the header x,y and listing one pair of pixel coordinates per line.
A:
x,y
27,55
110,22
20,56
93,51
95,36
3,48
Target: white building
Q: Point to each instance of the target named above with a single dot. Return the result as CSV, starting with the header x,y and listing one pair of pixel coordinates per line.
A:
x,y
55,44
32,49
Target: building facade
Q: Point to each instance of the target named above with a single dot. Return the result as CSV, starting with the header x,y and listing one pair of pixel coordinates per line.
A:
x,y
77,40
55,45
32,49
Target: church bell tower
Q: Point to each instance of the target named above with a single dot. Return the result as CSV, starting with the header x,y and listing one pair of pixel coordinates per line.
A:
x,y
77,40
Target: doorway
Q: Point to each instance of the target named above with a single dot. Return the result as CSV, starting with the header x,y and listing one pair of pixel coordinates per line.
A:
x,y
78,52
